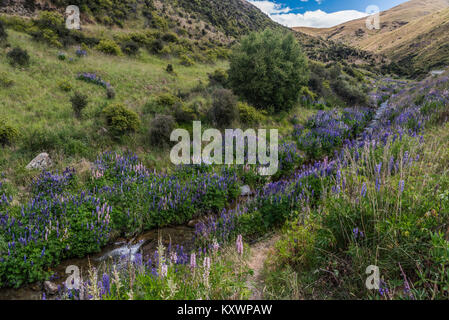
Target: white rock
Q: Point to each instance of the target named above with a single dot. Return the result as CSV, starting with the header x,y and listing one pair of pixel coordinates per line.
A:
x,y
245,191
50,287
41,162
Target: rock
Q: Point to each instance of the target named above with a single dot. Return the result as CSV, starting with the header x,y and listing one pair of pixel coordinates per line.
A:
x,y
41,162
193,223
50,287
245,191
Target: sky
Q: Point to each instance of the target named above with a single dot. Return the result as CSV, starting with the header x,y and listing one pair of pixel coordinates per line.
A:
x,y
319,13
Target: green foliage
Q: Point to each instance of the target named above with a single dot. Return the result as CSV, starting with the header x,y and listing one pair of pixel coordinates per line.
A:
x,y
5,81
249,115
110,92
161,128
268,69
130,48
79,103
121,120
3,34
186,60
109,47
18,57
224,108
349,93
8,133
170,68
218,77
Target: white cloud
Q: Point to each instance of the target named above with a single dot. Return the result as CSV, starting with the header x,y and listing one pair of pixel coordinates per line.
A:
x,y
316,19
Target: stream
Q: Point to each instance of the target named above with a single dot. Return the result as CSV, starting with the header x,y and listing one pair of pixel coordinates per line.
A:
x,y
145,244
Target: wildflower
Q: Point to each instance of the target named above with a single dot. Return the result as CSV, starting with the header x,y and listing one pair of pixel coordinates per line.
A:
x,y
364,189
193,260
239,244
164,270
401,186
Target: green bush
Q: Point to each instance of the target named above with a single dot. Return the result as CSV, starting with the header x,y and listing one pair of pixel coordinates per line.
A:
x,y
156,46
183,114
18,57
219,76
169,68
65,85
161,128
110,92
3,34
5,82
8,133
249,115
79,103
186,61
121,120
224,108
130,48
167,100
349,93
268,69
109,47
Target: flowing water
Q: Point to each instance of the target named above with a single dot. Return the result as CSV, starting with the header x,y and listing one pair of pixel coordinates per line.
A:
x,y
145,244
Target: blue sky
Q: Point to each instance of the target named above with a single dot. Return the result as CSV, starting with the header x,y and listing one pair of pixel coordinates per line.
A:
x,y
319,13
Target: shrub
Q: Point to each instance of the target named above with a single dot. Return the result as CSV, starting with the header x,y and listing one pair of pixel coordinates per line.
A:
x,y
248,114
187,61
61,56
3,34
224,110
183,114
156,46
8,133
349,93
130,48
170,37
110,92
219,76
109,47
167,100
161,128
79,103
121,120
18,57
169,68
268,69
65,85
5,82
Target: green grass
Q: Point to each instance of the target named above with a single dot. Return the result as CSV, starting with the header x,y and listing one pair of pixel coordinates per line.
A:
x,y
36,102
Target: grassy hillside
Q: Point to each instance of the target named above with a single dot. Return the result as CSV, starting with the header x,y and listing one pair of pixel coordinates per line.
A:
x,y
411,34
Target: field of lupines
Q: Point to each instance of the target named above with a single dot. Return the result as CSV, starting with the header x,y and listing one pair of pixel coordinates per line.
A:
x,y
347,197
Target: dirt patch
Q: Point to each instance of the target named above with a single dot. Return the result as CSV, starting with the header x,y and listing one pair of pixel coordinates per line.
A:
x,y
259,253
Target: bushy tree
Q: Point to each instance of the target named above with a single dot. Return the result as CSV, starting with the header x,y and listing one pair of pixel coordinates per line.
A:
x,y
269,69
224,108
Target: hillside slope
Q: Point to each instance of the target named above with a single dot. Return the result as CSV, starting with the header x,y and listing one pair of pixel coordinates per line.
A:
x,y
413,36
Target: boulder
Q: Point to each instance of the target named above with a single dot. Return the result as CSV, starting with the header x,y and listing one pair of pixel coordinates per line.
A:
x,y
245,191
41,162
50,287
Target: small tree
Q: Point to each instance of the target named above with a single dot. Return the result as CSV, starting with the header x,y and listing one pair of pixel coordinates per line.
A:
x,y
161,128
79,103
121,120
18,57
224,108
269,69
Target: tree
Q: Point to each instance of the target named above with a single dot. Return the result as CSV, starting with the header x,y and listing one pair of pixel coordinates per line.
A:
x,y
268,69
